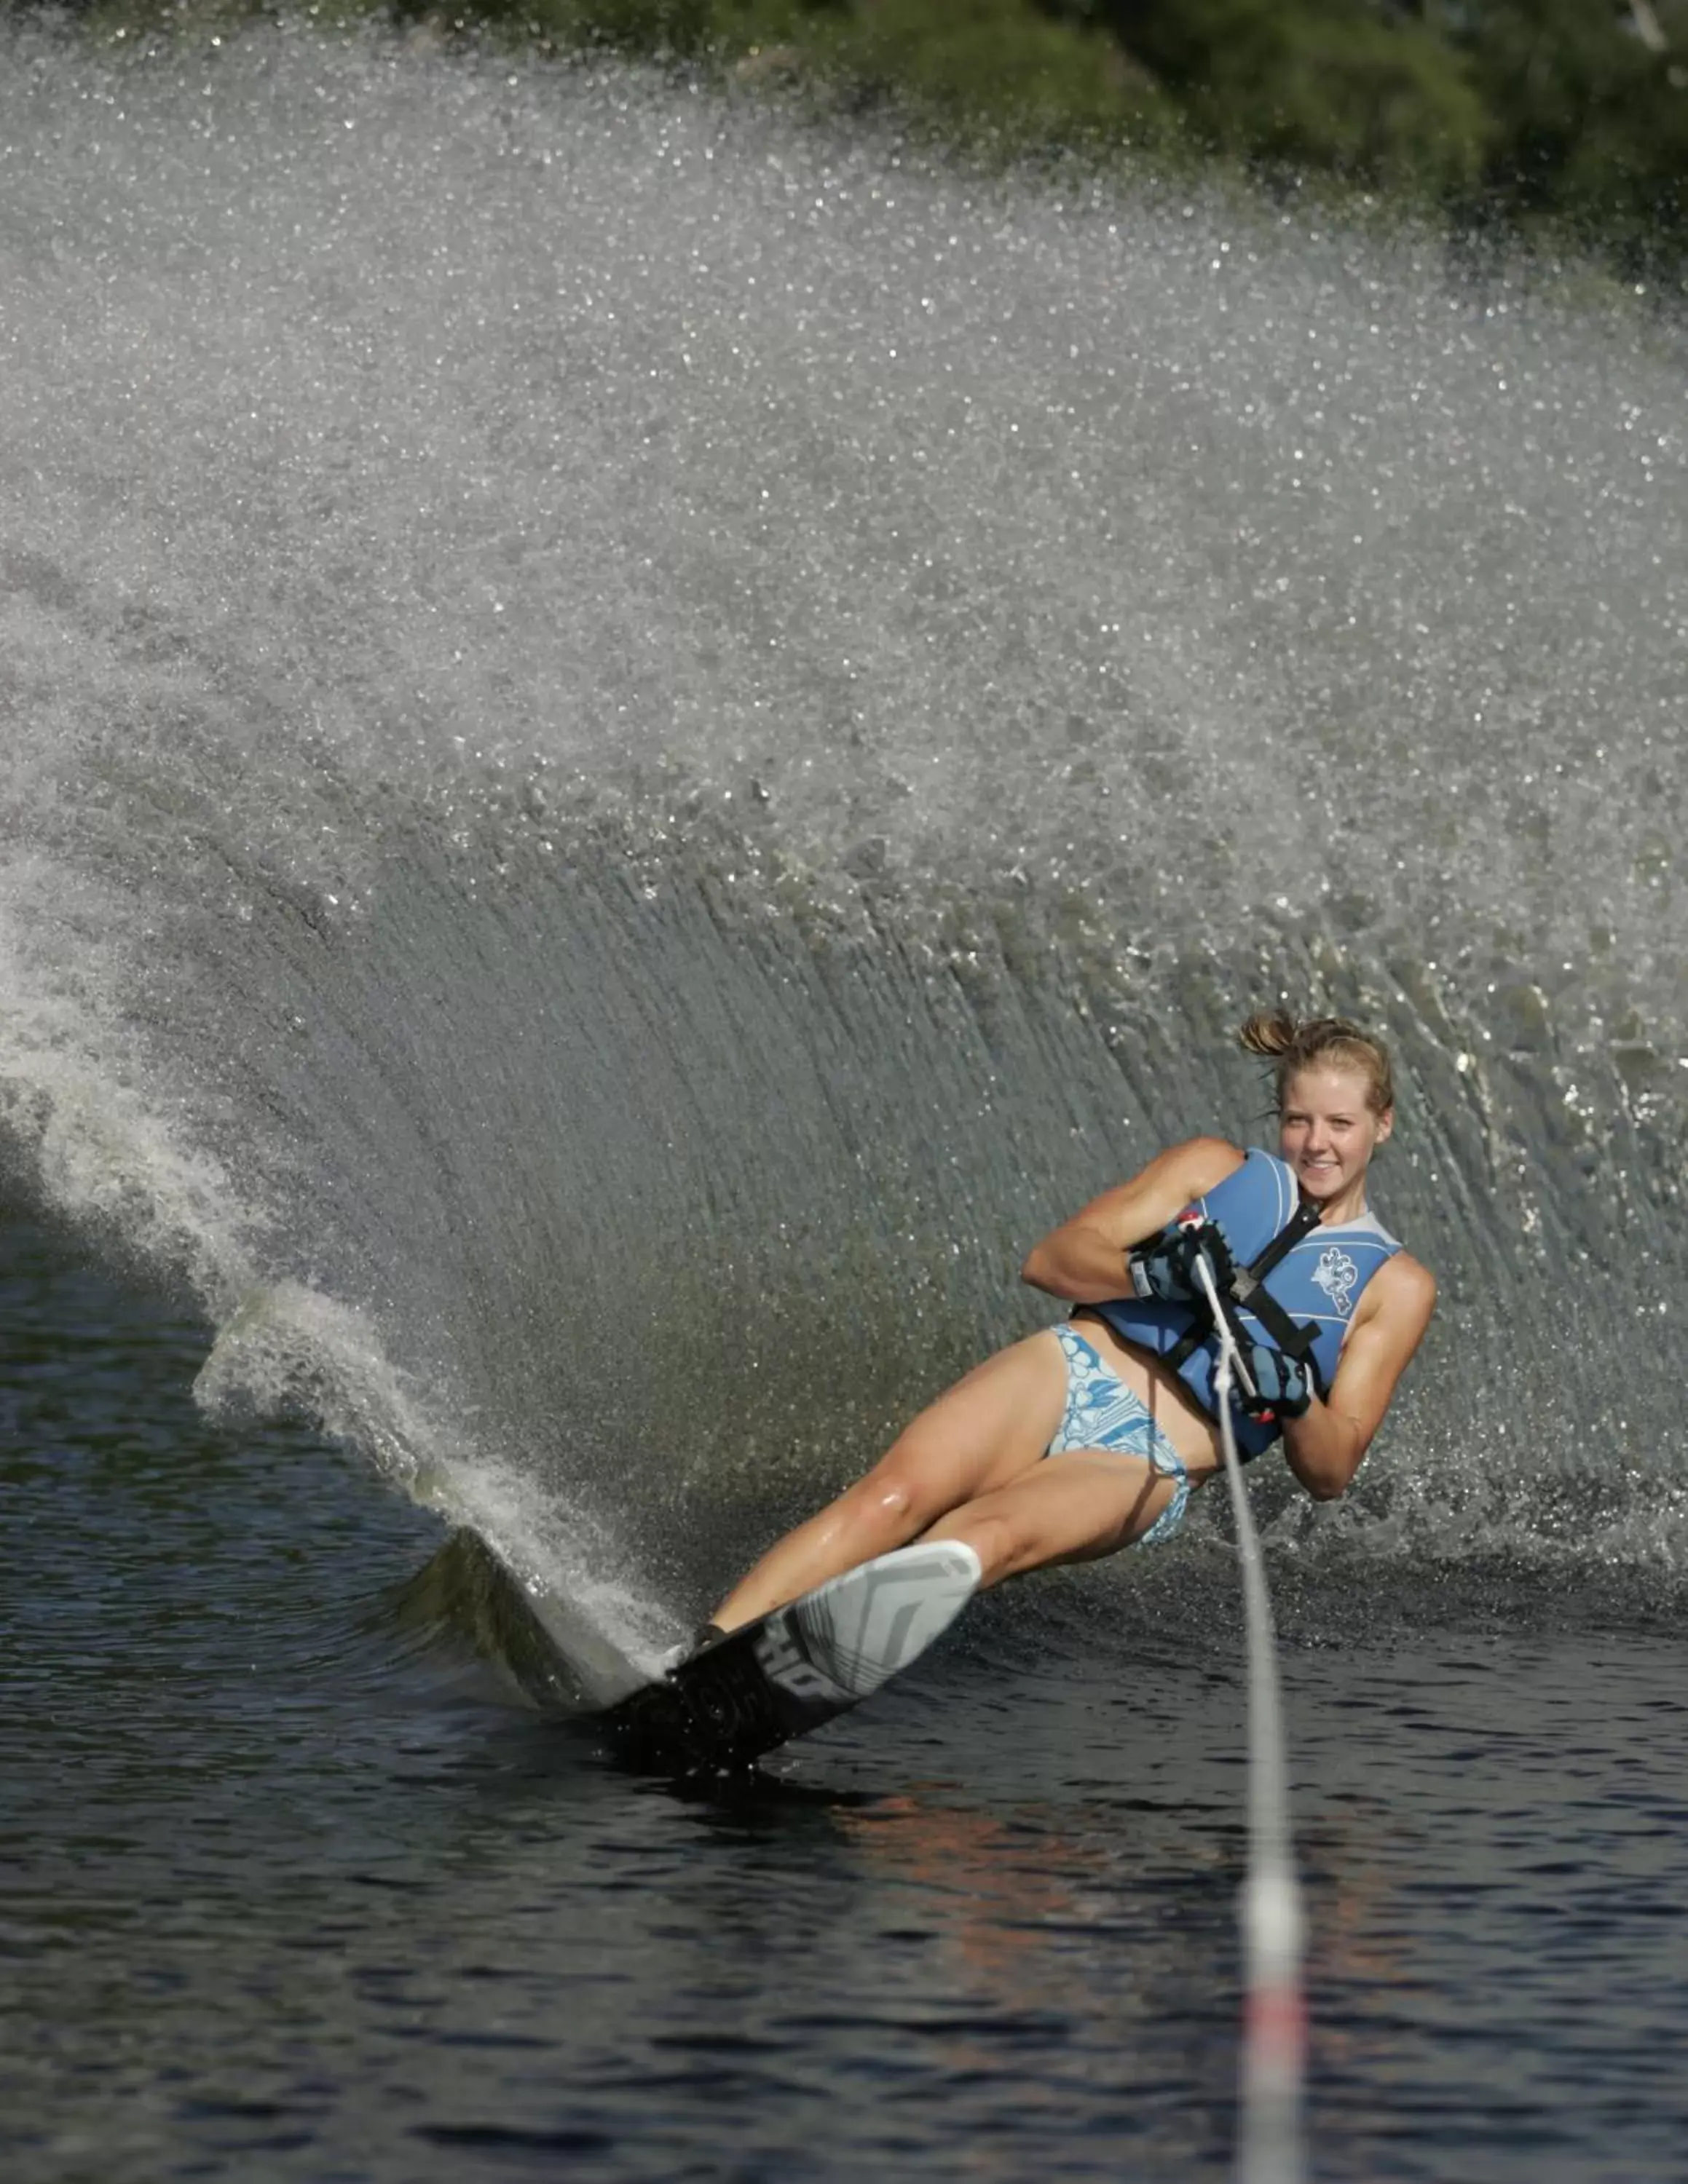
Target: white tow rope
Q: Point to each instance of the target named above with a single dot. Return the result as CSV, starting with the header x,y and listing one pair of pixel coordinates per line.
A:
x,y
1269,2144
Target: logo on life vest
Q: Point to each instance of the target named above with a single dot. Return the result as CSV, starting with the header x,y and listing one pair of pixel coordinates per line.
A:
x,y
1336,1274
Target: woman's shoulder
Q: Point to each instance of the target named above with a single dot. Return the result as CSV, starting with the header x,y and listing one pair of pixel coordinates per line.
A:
x,y
1405,1288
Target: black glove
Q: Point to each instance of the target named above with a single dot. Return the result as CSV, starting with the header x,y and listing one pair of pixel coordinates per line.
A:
x,y
1285,1385
1164,1268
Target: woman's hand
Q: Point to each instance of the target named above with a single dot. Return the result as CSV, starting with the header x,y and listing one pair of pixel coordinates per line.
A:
x,y
1166,1269
1283,1387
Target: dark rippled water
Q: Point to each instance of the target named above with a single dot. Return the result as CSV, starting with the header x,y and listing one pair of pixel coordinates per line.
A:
x,y
637,741
290,1890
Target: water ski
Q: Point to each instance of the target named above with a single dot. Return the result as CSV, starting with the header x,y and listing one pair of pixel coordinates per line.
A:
x,y
789,1671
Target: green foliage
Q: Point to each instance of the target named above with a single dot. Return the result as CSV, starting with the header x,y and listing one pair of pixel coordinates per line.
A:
x,y
994,63
1562,117
1330,85
1590,109
998,70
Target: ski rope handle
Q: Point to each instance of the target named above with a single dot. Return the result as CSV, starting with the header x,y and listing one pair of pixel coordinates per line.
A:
x,y
1271,2144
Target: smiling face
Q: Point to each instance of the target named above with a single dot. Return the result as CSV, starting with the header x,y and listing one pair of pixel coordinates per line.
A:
x,y
1329,1131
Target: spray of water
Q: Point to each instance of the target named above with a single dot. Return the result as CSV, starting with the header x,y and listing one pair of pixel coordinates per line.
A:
x,y
638,739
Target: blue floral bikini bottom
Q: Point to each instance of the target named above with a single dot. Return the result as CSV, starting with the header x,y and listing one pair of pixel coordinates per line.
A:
x,y
1102,1413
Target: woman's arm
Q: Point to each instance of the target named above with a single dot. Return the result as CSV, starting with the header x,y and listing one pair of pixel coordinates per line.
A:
x,y
1323,1446
1085,1258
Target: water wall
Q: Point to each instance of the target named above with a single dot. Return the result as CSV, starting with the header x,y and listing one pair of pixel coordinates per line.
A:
x,y
638,739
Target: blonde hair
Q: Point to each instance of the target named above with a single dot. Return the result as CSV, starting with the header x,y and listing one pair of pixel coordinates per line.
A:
x,y
1293,1043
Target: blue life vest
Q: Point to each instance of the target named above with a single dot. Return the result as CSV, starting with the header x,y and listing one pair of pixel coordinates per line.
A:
x,y
1318,1282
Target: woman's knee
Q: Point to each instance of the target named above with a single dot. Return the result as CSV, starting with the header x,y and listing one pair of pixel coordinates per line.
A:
x,y
911,1481
893,1500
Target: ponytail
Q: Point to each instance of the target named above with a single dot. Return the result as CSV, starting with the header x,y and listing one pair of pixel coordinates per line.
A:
x,y
1293,1043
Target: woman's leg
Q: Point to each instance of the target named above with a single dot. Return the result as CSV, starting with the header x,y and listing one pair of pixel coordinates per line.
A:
x,y
977,1437
1073,1508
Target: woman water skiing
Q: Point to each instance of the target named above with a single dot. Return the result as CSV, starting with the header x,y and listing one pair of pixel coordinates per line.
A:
x,y
1093,1434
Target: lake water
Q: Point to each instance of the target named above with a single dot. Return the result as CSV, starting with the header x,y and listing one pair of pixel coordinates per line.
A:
x,y
640,740
295,1886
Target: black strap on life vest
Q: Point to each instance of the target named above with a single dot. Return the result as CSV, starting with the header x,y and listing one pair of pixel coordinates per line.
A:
x,y
1246,1287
